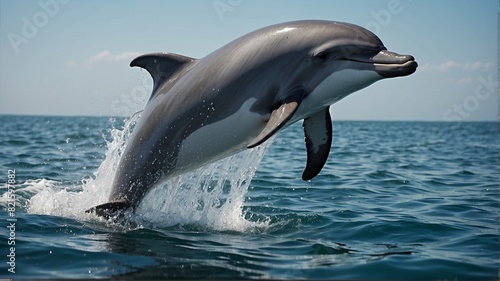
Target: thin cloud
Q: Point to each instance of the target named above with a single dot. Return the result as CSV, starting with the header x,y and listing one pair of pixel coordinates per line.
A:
x,y
108,56
453,65
478,66
466,80
71,63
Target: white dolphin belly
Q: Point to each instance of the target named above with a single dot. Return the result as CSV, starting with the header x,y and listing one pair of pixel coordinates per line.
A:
x,y
220,139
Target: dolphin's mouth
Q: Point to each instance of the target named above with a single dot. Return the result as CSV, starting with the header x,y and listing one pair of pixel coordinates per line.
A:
x,y
386,63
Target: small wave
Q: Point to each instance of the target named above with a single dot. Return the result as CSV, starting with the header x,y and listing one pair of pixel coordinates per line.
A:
x,y
24,191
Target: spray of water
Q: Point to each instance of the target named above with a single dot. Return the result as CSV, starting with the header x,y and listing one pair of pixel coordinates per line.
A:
x,y
72,201
210,197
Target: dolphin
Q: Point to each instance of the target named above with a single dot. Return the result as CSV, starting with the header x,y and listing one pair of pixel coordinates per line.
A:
x,y
237,97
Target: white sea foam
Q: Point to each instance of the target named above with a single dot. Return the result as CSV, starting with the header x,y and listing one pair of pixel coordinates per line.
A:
x,y
210,197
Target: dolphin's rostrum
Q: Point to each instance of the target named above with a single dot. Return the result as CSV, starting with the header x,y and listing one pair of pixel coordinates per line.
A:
x,y
238,96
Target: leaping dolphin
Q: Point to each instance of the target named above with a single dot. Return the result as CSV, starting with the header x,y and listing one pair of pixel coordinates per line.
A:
x,y
203,110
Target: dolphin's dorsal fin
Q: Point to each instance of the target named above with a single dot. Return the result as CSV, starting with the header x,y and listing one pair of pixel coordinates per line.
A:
x,y
318,135
279,117
161,66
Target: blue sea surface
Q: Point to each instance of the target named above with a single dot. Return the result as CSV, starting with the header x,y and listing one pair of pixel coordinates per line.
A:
x,y
395,201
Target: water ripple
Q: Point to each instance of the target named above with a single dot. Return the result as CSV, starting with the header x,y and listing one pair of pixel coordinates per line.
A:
x,y
394,198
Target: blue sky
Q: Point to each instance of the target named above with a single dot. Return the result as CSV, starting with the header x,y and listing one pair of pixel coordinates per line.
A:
x,y
70,57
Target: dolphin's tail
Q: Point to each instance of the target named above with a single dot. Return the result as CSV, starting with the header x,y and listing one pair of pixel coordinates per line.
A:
x,y
110,209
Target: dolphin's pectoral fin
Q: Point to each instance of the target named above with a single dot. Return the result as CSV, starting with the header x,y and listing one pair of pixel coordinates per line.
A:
x,y
110,209
279,117
161,66
318,135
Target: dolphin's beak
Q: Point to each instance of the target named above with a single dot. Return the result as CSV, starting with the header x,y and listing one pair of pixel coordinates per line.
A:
x,y
388,64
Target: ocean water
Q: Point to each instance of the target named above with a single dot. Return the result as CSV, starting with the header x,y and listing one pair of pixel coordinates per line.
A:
x,y
395,201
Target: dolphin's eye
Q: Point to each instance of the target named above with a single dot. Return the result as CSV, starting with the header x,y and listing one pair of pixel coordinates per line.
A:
x,y
322,56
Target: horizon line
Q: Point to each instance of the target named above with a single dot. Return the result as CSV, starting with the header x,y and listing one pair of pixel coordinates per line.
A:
x,y
333,119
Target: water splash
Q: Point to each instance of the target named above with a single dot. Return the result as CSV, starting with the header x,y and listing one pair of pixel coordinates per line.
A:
x,y
210,197
72,201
